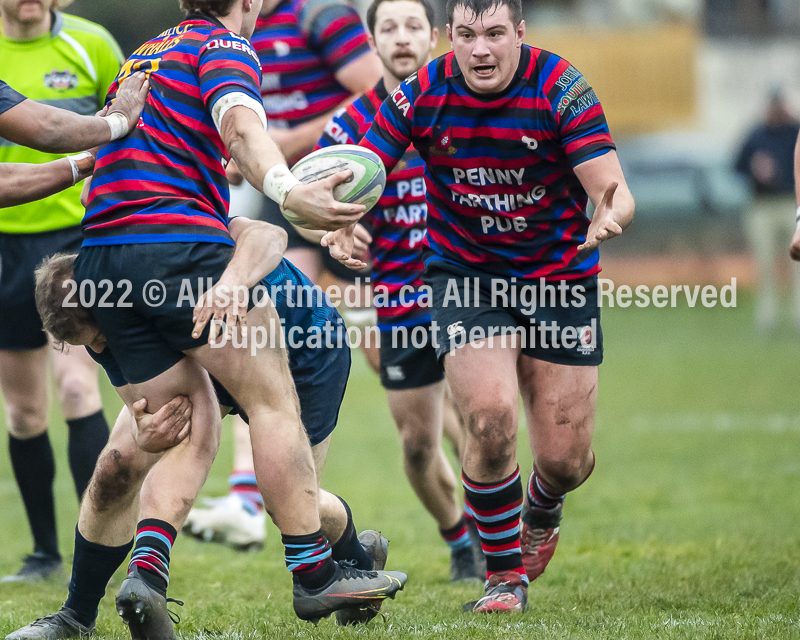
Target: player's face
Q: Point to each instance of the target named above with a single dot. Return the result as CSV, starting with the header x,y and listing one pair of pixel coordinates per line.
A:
x,y
89,337
487,47
403,37
26,11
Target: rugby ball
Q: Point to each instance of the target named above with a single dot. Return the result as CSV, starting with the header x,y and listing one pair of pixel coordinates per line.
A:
x,y
366,185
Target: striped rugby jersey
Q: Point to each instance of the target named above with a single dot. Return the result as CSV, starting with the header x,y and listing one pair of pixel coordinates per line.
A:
x,y
301,45
397,222
503,198
165,181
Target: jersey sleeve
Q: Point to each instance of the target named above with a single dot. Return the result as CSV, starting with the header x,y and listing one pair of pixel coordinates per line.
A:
x,y
335,31
228,64
579,116
390,133
341,129
8,97
107,360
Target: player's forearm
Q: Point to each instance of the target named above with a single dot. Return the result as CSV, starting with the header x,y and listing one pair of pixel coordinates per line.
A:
x,y
624,206
55,130
259,250
311,235
21,183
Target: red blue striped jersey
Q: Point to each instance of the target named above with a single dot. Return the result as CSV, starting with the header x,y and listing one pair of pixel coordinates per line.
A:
x,y
301,46
503,198
398,222
165,181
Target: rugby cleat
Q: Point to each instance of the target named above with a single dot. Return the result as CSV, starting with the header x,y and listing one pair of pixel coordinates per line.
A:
x,y
462,566
377,548
226,521
57,626
144,610
539,538
505,592
35,568
350,588
477,549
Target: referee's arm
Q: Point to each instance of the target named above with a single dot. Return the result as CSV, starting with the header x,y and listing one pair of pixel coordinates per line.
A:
x,y
54,130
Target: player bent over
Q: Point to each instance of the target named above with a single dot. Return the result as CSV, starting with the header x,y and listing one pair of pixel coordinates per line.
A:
x,y
403,36
513,139
156,222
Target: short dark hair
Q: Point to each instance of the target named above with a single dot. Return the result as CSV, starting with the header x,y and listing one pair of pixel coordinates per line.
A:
x,y
373,10
63,323
213,7
479,7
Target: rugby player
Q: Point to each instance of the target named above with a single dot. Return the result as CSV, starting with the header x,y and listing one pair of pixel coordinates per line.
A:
x,y
45,128
108,513
70,63
514,140
314,57
156,221
402,33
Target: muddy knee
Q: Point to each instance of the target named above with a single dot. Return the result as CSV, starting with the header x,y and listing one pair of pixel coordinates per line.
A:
x,y
418,451
565,474
494,432
114,480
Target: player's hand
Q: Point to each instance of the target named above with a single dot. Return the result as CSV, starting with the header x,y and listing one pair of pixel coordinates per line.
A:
x,y
315,204
235,176
794,250
604,225
340,244
361,242
130,98
164,429
223,303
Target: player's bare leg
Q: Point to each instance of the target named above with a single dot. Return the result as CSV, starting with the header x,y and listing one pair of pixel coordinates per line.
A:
x,y
483,381
454,429
559,403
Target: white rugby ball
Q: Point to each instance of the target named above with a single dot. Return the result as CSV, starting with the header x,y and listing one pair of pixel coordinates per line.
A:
x,y
366,185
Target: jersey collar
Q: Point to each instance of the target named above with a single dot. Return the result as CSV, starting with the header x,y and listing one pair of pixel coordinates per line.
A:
x,y
380,90
197,16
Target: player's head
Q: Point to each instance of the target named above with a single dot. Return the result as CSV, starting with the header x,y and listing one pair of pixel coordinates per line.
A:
x,y
222,8
402,33
486,36
27,12
69,323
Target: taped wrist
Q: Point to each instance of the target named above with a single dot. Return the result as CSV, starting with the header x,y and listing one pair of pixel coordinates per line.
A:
x,y
278,182
118,124
82,165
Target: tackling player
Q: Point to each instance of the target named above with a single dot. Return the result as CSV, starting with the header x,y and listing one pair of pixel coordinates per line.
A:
x,y
403,35
45,128
320,375
70,63
156,230
513,139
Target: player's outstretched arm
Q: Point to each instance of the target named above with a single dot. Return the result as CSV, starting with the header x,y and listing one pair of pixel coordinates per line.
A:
x,y
21,183
263,166
794,250
55,130
605,184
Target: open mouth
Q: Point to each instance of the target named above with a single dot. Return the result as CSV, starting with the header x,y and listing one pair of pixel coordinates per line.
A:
x,y
484,70
403,56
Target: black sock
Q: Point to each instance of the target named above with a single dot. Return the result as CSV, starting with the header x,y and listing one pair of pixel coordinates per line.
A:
x,y
87,437
308,557
35,469
92,567
348,548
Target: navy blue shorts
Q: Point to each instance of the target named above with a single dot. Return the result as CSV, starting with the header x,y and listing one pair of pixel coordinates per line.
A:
x,y
20,254
405,366
557,322
149,335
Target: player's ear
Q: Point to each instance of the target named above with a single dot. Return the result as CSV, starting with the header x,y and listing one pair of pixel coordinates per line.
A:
x,y
450,35
434,37
371,40
520,33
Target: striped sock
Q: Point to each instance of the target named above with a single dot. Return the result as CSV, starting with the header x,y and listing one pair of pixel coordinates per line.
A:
x,y
468,515
496,507
308,557
154,540
541,494
243,485
457,538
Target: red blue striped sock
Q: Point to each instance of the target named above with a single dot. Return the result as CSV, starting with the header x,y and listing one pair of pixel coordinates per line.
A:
x,y
150,558
496,507
457,537
308,557
541,494
243,485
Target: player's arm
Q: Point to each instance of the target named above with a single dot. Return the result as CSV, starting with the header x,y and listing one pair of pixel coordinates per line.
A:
x,y
21,183
794,250
55,130
604,182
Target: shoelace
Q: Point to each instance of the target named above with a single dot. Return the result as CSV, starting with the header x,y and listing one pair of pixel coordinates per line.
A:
x,y
348,572
176,619
535,539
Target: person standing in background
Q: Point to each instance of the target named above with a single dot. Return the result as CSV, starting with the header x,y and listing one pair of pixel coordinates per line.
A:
x,y
767,160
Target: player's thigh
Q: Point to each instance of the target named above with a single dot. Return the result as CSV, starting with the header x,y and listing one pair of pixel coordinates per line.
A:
x,y
418,412
320,454
559,403
23,380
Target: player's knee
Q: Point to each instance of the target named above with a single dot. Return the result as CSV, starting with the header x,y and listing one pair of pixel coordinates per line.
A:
x,y
78,394
563,474
25,419
494,432
115,478
418,450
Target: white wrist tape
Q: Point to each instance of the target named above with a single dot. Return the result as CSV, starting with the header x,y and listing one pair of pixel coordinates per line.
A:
x,y
798,219
73,163
237,99
118,125
278,182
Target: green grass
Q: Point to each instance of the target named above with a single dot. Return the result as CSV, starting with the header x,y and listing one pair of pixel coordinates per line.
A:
x,y
689,527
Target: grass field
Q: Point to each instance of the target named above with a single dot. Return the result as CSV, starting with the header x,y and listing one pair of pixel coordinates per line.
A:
x,y
689,527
